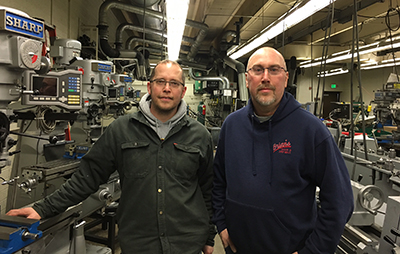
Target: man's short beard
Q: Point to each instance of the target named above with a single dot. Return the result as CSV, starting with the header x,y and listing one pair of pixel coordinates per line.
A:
x,y
265,102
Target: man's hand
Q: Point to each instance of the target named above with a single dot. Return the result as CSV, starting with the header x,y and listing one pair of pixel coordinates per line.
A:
x,y
226,240
208,249
28,212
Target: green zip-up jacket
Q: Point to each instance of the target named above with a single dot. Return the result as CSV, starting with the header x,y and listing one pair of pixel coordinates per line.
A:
x,y
165,204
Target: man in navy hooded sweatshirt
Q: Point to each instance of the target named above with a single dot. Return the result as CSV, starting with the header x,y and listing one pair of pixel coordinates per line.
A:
x,y
271,157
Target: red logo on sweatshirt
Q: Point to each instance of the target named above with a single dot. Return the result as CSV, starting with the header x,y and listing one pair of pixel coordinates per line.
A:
x,y
283,147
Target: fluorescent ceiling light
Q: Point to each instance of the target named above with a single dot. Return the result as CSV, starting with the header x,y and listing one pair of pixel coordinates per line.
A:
x,y
284,22
176,18
332,73
348,55
377,66
390,60
393,39
369,63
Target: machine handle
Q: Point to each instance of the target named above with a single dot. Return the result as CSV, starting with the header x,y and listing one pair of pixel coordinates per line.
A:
x,y
390,241
395,231
27,235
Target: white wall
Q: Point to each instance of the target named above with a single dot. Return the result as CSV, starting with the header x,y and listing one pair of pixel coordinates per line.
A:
x,y
371,80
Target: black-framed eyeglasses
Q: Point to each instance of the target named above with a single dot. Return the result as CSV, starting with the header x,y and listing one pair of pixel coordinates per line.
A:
x,y
259,70
163,83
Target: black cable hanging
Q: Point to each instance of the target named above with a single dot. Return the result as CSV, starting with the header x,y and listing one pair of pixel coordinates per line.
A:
x,y
320,70
351,131
359,80
388,25
356,32
323,60
332,11
164,23
312,70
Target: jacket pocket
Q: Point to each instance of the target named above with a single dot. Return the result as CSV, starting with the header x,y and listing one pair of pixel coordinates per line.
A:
x,y
266,231
135,158
185,161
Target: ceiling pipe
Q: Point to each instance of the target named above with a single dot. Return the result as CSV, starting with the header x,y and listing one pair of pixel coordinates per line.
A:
x,y
235,65
241,70
146,54
126,26
145,3
141,69
150,22
132,39
224,80
103,25
150,50
197,66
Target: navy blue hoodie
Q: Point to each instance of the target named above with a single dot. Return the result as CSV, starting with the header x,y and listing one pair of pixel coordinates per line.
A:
x,y
265,182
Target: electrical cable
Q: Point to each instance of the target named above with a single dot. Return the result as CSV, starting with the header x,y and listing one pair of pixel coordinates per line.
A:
x,y
332,11
144,30
387,22
27,127
164,23
287,12
37,148
323,61
312,69
355,22
47,126
351,131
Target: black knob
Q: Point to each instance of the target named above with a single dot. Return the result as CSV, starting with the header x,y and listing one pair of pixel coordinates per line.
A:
x,y
395,231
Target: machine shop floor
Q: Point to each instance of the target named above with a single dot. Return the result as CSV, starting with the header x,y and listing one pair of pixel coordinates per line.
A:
x,y
97,230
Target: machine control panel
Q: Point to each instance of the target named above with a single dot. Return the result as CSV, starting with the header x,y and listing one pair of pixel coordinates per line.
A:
x,y
62,89
116,94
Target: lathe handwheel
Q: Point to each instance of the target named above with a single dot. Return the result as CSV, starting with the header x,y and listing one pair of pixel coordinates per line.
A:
x,y
367,195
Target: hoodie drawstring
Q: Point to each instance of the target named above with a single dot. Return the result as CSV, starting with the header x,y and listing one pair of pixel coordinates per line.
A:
x,y
271,150
254,170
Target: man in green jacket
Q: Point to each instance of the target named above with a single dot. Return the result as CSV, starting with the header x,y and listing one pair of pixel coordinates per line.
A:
x,y
164,159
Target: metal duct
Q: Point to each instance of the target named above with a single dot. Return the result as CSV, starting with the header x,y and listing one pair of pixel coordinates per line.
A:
x,y
103,25
122,27
140,40
197,66
145,3
150,22
226,34
224,80
150,50
241,70
141,69
156,44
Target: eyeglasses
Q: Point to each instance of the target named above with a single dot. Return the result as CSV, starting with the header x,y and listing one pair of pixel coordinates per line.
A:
x,y
163,83
259,70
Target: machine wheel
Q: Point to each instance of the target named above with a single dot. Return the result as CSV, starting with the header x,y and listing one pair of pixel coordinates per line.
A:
x,y
371,198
